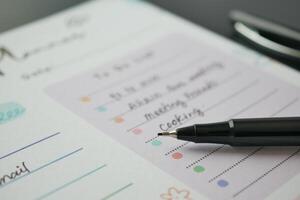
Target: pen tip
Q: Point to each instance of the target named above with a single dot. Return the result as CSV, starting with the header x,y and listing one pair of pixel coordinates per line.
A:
x,y
171,134
163,134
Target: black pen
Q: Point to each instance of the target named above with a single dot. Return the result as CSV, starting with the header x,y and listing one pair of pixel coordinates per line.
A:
x,y
281,131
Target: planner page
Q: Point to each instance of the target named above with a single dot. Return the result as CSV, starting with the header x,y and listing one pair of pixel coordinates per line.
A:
x,y
83,94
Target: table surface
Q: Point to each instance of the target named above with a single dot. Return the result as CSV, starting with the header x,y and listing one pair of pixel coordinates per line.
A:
x,y
212,14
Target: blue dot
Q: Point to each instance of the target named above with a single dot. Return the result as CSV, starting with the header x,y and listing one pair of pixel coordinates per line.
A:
x,y
222,183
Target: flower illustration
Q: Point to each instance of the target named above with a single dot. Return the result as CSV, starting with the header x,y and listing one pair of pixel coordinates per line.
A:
x,y
176,194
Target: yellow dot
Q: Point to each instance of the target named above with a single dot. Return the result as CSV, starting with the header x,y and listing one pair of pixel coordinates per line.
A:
x,y
85,99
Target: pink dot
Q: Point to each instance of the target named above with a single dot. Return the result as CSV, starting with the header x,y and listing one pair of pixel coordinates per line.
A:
x,y
177,155
137,131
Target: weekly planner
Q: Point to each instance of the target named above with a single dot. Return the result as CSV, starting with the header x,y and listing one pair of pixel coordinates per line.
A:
x,y
84,92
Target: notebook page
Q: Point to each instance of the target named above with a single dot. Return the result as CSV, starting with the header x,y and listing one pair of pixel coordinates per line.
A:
x,y
87,109
179,81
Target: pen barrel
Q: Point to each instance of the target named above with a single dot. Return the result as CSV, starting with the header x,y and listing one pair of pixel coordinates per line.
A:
x,y
265,131
284,126
246,132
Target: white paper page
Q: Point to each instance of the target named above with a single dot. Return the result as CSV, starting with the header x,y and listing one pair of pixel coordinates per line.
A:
x,y
83,94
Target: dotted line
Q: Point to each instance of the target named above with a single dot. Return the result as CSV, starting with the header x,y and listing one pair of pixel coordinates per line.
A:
x,y
150,140
265,174
207,155
179,147
236,164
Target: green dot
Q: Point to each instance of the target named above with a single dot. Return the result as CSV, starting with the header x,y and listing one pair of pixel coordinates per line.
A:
x,y
199,169
17,111
9,114
156,142
102,109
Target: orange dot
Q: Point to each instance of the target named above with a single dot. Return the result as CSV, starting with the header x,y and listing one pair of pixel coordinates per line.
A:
x,y
177,155
119,119
85,99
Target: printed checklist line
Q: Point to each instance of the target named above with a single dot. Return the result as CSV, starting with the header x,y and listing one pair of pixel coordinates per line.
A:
x,y
205,156
29,145
70,183
243,89
255,103
177,148
150,140
116,192
42,167
286,106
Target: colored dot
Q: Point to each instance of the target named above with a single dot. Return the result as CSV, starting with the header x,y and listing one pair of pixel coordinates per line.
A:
x,y
9,114
199,169
177,155
156,143
17,111
119,119
102,109
85,99
137,131
222,183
